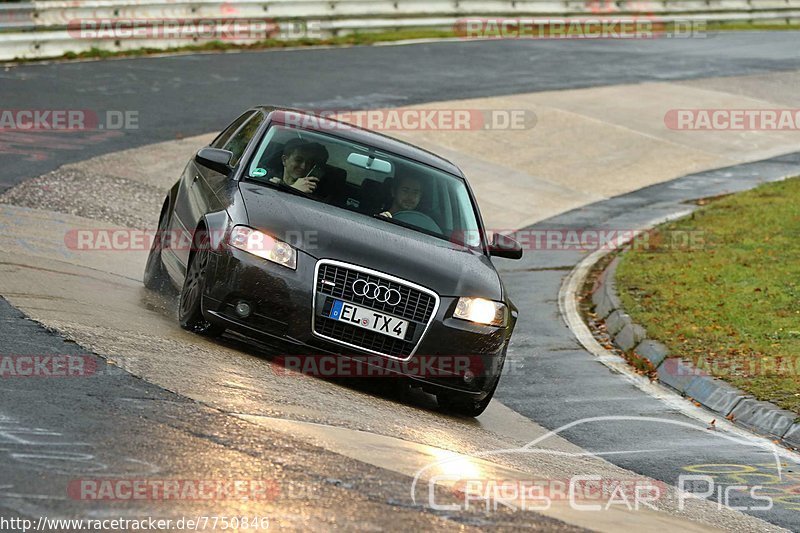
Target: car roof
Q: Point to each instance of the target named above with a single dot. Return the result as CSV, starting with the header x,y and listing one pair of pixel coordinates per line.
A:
x,y
311,122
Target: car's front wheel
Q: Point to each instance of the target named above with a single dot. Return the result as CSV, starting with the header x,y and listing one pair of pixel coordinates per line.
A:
x,y
190,312
464,404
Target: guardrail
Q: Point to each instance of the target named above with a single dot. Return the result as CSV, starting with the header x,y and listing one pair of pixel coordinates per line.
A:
x,y
16,16
51,28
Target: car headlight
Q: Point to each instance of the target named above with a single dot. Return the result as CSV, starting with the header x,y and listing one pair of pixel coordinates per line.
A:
x,y
481,311
264,246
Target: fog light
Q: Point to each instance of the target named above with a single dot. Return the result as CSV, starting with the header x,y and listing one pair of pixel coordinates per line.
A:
x,y
243,309
468,377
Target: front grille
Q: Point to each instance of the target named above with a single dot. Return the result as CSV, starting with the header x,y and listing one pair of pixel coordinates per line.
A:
x,y
415,305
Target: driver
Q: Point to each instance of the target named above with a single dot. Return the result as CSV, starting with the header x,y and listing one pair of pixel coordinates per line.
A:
x,y
406,195
303,164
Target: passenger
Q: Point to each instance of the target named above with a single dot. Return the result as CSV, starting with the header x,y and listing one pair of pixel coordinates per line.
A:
x,y
406,195
303,165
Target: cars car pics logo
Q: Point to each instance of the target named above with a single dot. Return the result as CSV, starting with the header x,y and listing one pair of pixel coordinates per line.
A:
x,y
379,293
730,491
582,492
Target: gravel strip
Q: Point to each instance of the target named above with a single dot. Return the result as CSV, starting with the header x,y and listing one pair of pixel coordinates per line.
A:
x,y
73,191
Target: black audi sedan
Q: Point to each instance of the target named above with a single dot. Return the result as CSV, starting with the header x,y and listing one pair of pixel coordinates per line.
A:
x,y
343,243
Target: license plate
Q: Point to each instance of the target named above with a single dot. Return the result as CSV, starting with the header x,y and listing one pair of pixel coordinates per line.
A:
x,y
368,319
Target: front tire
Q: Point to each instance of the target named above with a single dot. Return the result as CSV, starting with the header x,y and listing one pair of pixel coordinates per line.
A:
x,y
190,312
463,404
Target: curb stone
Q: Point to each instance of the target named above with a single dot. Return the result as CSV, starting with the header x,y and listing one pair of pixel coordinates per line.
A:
x,y
759,415
677,373
605,297
716,395
793,435
653,351
629,336
616,321
682,376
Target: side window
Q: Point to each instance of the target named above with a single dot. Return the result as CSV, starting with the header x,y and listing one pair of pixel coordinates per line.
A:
x,y
241,138
223,137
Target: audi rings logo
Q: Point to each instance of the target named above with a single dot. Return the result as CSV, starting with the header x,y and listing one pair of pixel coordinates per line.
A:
x,y
376,292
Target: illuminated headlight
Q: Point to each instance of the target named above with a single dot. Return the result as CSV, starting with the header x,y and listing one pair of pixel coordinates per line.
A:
x,y
481,311
264,246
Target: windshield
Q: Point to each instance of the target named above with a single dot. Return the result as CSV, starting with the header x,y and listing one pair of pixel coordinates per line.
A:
x,y
359,178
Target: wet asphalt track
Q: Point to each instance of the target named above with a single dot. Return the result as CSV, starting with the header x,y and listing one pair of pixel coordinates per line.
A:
x,y
561,383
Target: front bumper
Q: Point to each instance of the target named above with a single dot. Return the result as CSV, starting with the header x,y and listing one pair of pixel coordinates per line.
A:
x,y
282,303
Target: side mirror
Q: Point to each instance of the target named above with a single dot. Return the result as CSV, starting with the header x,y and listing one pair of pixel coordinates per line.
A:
x,y
504,246
215,159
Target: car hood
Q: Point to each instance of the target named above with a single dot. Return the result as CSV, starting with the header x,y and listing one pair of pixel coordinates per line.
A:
x,y
327,232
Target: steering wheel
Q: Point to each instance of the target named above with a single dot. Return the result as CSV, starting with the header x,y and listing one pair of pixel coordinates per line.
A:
x,y
419,219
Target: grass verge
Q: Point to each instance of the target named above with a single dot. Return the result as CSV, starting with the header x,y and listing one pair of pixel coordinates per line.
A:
x,y
354,39
722,288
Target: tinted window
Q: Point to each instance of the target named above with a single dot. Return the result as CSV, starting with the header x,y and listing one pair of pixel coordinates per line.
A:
x,y
241,138
223,137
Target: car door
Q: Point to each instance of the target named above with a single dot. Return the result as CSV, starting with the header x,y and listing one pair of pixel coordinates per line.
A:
x,y
212,181
194,195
